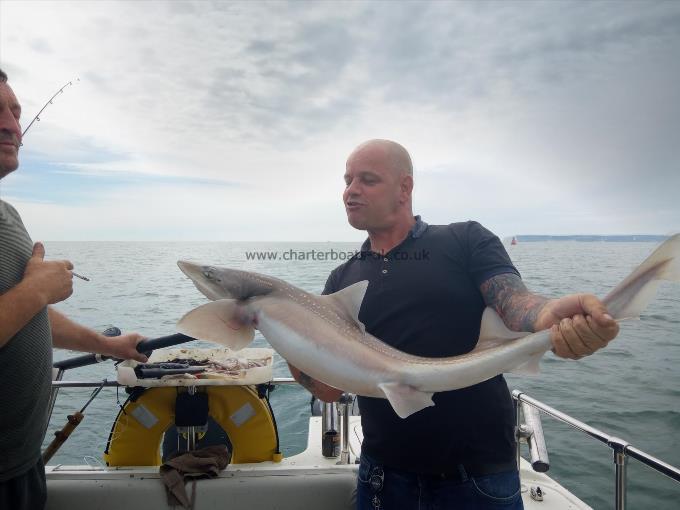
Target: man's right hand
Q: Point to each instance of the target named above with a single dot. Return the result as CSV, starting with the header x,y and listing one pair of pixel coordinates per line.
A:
x,y
52,280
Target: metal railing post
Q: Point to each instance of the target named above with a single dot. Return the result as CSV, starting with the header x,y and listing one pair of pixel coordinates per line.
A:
x,y
191,430
620,465
516,394
57,375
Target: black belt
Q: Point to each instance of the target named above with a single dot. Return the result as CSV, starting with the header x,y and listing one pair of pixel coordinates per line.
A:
x,y
462,472
465,471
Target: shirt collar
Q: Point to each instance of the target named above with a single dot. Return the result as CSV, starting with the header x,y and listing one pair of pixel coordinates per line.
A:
x,y
417,230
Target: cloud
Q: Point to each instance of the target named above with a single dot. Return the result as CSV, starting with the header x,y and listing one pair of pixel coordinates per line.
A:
x,y
40,45
553,117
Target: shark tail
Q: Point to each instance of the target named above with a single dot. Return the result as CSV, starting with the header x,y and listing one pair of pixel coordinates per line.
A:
x,y
223,321
628,299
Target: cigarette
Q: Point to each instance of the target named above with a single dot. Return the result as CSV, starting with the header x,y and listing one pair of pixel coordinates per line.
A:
x,y
80,276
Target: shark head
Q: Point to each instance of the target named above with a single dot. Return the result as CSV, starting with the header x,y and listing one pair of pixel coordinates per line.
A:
x,y
223,283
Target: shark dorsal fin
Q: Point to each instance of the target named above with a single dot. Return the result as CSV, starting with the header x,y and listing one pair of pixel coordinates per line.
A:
x,y
493,330
350,299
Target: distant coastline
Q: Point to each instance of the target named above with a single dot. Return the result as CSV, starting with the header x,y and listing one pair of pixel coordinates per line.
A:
x,y
642,238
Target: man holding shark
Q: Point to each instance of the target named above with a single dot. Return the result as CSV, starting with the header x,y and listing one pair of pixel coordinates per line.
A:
x,y
29,328
421,325
461,451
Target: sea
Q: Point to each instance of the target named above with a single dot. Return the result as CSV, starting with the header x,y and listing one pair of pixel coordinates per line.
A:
x,y
631,389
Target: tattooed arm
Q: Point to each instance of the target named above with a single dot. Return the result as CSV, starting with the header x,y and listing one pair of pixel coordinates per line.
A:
x,y
507,294
579,323
318,389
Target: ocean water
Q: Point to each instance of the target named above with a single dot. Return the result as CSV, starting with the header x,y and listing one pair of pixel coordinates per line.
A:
x,y
630,389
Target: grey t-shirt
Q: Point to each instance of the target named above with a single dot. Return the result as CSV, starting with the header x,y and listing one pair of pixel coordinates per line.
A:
x,y
25,361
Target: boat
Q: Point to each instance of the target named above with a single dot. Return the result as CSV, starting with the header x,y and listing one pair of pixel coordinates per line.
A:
x,y
322,476
514,241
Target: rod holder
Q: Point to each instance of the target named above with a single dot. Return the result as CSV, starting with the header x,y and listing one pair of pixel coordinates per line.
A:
x,y
345,407
330,430
532,431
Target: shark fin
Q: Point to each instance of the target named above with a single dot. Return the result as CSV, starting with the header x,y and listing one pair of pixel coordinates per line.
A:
x,y
217,322
633,294
350,299
530,366
405,400
493,330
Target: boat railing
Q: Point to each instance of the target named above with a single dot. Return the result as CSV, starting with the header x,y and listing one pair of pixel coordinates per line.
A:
x,y
58,383
621,448
113,383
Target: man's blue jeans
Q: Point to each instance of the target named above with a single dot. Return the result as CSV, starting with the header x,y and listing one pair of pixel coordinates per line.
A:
x,y
381,488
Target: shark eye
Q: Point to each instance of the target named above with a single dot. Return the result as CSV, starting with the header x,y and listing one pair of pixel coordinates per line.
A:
x,y
209,273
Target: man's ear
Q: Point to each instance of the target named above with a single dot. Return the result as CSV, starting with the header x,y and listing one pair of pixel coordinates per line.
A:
x,y
406,186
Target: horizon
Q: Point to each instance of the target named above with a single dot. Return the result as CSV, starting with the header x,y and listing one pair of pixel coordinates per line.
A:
x,y
555,237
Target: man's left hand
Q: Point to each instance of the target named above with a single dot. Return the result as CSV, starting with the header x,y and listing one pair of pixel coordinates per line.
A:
x,y
579,325
123,347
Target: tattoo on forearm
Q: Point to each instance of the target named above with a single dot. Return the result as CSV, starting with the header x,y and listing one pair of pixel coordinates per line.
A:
x,y
507,294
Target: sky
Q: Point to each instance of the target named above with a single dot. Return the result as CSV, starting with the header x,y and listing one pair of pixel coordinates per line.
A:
x,y
229,121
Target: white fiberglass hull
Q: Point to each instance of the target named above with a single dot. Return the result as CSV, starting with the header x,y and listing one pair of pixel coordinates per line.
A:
x,y
307,480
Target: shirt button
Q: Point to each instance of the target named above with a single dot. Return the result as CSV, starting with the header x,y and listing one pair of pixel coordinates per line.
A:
x,y
384,271
385,259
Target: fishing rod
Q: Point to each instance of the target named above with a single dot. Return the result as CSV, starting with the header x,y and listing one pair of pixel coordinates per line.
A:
x,y
49,102
145,347
73,421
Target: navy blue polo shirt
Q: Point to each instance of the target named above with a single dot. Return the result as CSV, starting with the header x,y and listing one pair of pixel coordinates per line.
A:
x,y
423,298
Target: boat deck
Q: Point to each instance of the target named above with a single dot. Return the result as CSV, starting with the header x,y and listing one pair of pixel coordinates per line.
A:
x,y
306,480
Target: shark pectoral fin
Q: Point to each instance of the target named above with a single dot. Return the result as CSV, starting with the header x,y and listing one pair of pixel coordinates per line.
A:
x,y
217,322
405,400
530,366
349,299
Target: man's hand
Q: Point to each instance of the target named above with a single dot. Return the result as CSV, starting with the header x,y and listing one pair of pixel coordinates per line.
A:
x,y
579,325
67,334
51,280
123,346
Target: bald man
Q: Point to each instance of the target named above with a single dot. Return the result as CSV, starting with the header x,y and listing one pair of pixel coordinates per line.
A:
x,y
428,286
28,330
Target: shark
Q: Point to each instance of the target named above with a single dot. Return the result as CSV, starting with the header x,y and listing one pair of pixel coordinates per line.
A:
x,y
323,336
